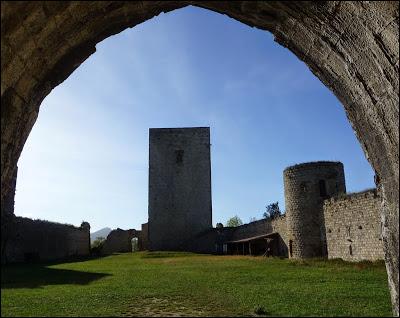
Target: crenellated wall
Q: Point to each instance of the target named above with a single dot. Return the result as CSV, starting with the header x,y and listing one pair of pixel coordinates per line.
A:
x,y
353,226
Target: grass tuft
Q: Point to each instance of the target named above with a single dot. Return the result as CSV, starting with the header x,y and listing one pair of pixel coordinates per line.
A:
x,y
260,310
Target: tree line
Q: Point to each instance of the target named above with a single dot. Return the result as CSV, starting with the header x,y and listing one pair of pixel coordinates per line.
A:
x,y
272,211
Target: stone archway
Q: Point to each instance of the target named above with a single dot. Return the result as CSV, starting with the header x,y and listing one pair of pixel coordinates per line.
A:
x,y
351,46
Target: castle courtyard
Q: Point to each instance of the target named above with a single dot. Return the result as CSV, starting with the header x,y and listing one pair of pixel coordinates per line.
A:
x,y
179,127
183,284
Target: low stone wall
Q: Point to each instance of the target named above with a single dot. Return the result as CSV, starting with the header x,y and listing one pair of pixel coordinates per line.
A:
x,y
37,240
353,227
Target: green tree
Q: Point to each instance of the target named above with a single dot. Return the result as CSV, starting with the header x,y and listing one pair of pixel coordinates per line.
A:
x,y
234,221
99,241
97,245
272,211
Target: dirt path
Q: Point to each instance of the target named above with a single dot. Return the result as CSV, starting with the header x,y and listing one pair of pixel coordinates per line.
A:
x,y
165,307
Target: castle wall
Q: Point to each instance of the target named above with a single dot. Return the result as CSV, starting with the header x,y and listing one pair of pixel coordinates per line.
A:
x,y
279,225
118,241
179,186
144,237
212,240
251,229
34,240
24,239
264,226
353,227
307,185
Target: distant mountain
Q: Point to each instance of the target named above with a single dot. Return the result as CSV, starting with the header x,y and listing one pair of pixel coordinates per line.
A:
x,y
100,233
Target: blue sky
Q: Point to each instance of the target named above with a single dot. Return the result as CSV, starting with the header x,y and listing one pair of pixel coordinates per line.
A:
x,y
87,156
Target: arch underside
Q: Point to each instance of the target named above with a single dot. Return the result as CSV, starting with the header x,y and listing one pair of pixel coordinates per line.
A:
x,y
351,46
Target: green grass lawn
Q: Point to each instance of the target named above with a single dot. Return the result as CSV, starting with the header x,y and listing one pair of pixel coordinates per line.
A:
x,y
182,284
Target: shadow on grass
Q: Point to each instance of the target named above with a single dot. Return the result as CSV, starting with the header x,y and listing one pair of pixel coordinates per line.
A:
x,y
69,259
39,275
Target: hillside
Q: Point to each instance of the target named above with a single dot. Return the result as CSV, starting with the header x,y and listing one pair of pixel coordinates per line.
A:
x,y
100,233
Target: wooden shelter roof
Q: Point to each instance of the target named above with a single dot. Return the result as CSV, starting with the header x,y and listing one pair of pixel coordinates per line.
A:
x,y
254,238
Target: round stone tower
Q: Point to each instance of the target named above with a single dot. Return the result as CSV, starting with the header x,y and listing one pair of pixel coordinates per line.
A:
x,y
307,185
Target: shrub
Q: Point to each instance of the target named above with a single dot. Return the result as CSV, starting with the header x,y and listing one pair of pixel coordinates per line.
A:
x,y
97,246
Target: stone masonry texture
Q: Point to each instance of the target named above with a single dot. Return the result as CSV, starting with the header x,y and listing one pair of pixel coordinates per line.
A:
x,y
179,186
353,228
264,226
306,187
351,46
7,205
344,220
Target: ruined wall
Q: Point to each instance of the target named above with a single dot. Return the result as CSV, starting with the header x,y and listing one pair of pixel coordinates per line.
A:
x,y
306,186
118,241
179,186
353,226
34,240
24,239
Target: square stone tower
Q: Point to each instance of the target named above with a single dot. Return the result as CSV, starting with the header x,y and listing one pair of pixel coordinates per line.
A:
x,y
179,186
